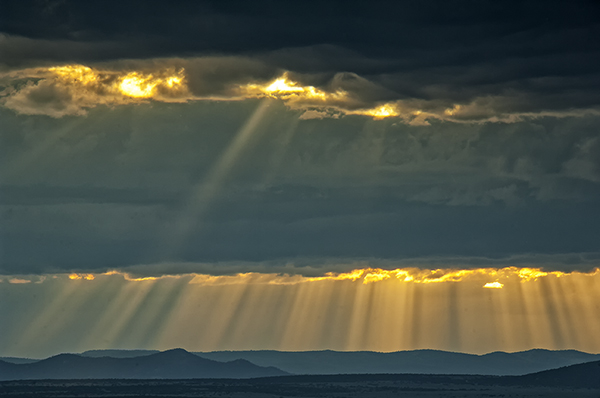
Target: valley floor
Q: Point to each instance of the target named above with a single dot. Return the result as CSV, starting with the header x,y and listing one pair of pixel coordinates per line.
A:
x,y
297,387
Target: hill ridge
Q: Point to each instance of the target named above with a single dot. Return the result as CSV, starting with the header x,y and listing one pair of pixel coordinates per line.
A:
x,y
170,364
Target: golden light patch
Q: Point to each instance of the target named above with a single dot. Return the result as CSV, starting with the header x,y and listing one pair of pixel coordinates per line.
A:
x,y
297,95
87,277
493,285
75,73
353,275
380,112
284,86
172,81
108,86
18,281
534,273
452,111
139,86
375,277
87,87
364,276
286,89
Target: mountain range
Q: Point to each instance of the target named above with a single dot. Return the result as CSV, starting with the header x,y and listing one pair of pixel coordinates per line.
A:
x,y
171,364
178,363
416,361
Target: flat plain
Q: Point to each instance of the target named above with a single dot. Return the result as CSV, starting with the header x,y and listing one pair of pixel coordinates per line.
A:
x,y
339,386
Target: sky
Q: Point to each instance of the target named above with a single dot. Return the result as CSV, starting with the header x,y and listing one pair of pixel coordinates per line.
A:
x,y
316,175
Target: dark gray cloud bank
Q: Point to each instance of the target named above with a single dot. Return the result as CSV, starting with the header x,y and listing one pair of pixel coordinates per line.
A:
x,y
513,180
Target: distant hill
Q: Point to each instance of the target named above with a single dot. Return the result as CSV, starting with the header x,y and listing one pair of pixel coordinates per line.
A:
x,y
417,361
18,360
172,364
117,353
584,375
368,362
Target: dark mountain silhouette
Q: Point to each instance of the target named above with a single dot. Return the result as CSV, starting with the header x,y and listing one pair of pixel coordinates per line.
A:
x,y
18,360
584,375
117,353
146,363
172,364
417,361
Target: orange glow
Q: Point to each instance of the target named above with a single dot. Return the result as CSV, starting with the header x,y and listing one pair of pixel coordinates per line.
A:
x,y
75,74
130,278
87,277
90,87
375,277
284,88
493,285
535,273
105,84
366,276
18,281
173,81
139,86
470,310
380,112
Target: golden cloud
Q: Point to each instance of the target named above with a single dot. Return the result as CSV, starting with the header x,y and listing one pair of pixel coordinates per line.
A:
x,y
73,89
499,276
18,281
87,277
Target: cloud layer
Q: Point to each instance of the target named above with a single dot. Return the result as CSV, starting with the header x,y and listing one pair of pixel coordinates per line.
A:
x,y
73,89
110,189
250,137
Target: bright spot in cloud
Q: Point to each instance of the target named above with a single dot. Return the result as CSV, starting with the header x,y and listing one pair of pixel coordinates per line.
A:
x,y
284,88
493,285
77,88
75,73
105,83
87,277
364,276
18,281
144,86
380,112
534,273
139,86
173,81
297,95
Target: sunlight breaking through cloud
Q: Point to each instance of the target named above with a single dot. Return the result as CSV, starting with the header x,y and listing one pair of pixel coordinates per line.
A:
x,y
364,276
74,89
493,285
366,309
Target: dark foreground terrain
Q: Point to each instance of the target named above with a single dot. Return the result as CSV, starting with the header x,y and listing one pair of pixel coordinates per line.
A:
x,y
342,386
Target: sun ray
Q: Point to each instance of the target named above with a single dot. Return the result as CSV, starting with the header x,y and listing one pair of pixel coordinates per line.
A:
x,y
36,332
35,155
203,194
168,299
370,310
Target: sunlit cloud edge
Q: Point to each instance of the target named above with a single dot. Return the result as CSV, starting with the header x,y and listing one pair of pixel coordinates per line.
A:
x,y
88,87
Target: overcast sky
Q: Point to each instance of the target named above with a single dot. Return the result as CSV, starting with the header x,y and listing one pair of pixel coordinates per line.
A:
x,y
299,175
491,156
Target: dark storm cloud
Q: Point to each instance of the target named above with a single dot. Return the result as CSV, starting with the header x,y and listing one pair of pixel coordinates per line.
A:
x,y
502,167
376,27
491,59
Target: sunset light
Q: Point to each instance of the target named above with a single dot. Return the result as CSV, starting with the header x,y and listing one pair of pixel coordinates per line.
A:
x,y
353,200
